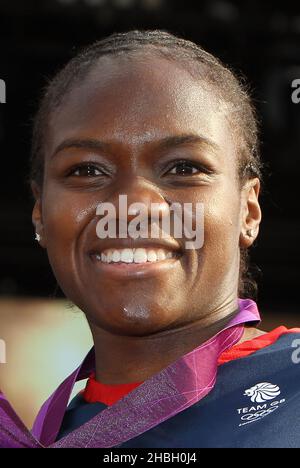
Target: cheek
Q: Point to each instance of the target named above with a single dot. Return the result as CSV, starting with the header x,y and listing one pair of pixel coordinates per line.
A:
x,y
61,221
221,230
64,217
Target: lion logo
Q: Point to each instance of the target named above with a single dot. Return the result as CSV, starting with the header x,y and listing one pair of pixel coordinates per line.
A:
x,y
262,392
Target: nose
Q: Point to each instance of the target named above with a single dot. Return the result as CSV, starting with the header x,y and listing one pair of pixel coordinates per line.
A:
x,y
139,194
137,209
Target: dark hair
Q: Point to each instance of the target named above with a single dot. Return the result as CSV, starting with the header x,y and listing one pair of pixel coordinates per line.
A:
x,y
231,91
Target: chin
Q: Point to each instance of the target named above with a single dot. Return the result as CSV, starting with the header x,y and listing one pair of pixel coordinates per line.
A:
x,y
139,320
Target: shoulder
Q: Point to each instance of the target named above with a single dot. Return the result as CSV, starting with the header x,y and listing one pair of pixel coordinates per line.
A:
x,y
254,340
255,335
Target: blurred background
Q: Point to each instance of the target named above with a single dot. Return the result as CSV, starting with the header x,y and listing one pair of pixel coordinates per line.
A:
x,y
259,39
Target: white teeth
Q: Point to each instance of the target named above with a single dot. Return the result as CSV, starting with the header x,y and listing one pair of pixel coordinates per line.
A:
x,y
116,256
151,256
161,254
139,255
127,255
109,256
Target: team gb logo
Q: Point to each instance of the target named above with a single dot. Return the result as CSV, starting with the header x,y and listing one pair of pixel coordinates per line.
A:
x,y
262,392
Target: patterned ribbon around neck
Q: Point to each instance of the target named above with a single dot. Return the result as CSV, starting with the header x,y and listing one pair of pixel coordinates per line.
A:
x,y
167,393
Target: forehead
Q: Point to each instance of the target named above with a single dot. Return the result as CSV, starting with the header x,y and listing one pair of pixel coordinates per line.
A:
x,y
136,101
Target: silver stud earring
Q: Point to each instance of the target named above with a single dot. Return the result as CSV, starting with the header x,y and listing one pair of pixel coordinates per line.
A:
x,y
249,232
37,237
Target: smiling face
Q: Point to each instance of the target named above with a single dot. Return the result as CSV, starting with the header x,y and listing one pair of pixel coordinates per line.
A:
x,y
148,130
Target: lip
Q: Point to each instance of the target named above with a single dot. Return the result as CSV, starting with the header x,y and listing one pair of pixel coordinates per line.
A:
x,y
134,270
118,244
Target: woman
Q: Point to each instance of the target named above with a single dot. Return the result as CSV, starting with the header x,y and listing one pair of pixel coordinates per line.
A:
x,y
158,119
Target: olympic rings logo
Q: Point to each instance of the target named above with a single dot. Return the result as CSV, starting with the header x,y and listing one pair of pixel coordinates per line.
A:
x,y
259,414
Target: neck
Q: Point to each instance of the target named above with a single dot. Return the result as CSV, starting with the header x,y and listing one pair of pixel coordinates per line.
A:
x,y
126,359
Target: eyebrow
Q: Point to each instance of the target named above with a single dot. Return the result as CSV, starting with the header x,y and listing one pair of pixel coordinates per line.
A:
x,y
184,139
163,144
89,143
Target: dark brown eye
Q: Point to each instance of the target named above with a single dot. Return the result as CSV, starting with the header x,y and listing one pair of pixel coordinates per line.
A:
x,y
184,168
86,170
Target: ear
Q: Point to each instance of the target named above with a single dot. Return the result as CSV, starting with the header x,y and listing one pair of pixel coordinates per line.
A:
x,y
250,212
37,215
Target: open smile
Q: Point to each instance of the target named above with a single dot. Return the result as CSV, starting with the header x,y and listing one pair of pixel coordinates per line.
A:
x,y
135,261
